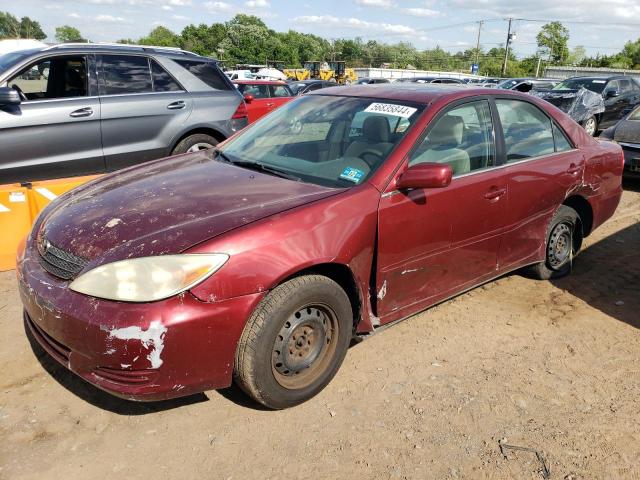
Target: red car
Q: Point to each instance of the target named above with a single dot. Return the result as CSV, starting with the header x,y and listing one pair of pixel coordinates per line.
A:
x,y
343,211
263,96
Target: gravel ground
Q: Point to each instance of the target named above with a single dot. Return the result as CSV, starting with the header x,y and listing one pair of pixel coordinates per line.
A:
x,y
551,366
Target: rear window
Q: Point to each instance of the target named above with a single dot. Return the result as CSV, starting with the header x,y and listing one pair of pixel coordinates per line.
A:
x,y
162,80
207,72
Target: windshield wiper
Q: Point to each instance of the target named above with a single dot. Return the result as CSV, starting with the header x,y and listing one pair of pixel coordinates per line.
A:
x,y
261,167
222,155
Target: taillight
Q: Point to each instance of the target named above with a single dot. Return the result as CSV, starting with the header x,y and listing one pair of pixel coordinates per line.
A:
x,y
239,119
241,111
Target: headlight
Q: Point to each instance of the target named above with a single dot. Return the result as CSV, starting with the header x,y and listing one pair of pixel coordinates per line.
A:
x,y
147,279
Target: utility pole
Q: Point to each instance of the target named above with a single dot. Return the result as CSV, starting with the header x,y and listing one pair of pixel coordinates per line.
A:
x,y
506,49
478,41
538,66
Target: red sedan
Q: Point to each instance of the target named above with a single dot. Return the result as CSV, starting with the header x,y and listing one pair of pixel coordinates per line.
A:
x,y
342,212
263,96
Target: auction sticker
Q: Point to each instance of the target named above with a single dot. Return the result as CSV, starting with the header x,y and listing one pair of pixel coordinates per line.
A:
x,y
352,174
391,109
17,197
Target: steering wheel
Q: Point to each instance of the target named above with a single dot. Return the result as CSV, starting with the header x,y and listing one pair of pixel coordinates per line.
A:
x,y
370,151
23,97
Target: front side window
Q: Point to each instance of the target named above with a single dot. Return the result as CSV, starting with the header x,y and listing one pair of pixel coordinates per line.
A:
x,y
56,77
561,141
463,138
527,130
309,139
612,86
126,74
625,85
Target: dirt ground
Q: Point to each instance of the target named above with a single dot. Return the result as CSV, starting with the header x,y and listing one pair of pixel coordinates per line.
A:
x,y
550,366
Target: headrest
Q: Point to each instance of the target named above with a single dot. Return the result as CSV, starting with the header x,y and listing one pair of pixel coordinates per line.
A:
x,y
448,131
375,129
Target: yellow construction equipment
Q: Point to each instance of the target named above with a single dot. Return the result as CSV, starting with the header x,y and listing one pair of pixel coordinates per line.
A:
x,y
19,207
329,71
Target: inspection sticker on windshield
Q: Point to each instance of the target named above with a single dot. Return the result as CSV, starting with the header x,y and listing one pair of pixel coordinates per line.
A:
x,y
391,109
352,174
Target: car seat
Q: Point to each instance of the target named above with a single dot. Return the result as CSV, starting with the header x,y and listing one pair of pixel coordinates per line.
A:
x,y
375,136
442,145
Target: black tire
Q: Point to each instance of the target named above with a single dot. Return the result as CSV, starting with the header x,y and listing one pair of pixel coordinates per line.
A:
x,y
279,369
563,242
194,140
590,125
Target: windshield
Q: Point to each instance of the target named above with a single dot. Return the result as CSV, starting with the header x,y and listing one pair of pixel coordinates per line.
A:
x,y
635,115
326,140
8,60
594,84
508,84
296,87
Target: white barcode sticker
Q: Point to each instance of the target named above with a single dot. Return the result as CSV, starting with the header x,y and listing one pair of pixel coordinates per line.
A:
x,y
17,197
391,109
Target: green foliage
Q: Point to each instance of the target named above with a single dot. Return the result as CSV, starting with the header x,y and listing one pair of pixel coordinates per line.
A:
x,y
554,37
161,37
67,33
11,27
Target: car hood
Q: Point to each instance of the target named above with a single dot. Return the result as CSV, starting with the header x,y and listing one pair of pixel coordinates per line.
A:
x,y
627,131
166,207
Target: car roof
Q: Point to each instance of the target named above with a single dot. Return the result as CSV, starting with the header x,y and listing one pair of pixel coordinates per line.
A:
x,y
408,92
611,77
308,82
174,53
245,81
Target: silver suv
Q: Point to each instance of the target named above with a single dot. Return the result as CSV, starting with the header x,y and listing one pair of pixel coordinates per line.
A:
x,y
76,109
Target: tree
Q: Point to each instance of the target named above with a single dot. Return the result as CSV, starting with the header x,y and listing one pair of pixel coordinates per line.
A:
x,y
31,29
554,37
161,37
67,33
577,55
9,26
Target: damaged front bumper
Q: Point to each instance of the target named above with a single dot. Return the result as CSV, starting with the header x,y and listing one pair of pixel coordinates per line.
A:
x,y
147,352
631,159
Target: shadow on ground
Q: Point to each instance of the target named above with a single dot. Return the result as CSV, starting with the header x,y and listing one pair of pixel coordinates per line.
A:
x,y
607,276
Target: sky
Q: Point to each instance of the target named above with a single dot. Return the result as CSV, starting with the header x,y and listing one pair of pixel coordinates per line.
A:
x,y
600,26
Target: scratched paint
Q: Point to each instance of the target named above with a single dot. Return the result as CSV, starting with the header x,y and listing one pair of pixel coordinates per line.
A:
x,y
151,338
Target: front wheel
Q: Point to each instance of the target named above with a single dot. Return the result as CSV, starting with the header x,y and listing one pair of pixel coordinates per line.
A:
x,y
295,342
590,126
563,242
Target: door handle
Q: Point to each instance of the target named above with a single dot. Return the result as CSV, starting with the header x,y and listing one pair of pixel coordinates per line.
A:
x,y
574,169
177,105
82,112
495,193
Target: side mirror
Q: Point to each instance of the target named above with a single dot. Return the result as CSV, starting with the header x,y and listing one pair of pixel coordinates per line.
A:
x,y
426,175
9,96
611,94
248,98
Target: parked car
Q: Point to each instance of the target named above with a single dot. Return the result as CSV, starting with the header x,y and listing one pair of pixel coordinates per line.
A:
x,y
526,85
621,94
627,134
370,81
58,120
260,261
305,86
263,96
239,75
429,80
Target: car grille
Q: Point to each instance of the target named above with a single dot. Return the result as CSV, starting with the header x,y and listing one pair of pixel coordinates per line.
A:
x,y
59,263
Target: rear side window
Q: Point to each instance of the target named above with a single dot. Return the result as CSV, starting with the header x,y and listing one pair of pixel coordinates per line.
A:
x,y
256,91
162,81
126,74
527,130
561,141
205,71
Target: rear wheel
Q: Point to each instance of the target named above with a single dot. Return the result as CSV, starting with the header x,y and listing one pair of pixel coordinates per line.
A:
x,y
563,242
590,125
195,143
294,342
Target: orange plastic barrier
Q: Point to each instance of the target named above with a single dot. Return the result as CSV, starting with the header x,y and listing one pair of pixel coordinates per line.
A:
x,y
19,207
